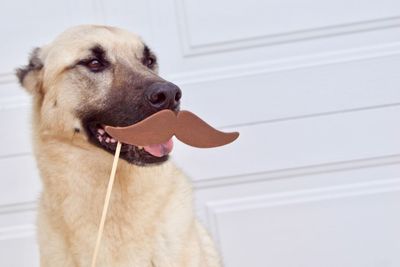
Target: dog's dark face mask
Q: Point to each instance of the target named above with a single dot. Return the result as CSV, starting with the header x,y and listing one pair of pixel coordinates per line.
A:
x,y
134,93
94,76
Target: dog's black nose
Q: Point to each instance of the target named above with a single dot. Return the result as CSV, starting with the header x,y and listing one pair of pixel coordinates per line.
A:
x,y
163,95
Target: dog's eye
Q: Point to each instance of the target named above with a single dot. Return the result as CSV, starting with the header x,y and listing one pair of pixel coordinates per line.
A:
x,y
150,62
94,65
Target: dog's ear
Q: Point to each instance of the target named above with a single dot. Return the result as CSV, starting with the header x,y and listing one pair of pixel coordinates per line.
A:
x,y
30,76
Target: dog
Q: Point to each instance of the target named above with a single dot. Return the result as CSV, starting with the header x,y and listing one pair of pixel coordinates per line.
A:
x,y
88,77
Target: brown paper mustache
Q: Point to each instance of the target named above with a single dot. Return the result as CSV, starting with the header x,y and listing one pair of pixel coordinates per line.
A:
x,y
161,126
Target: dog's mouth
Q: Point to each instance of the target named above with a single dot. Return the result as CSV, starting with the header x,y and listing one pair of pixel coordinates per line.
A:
x,y
139,155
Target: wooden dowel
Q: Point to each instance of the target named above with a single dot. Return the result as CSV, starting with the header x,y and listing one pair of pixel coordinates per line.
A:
x,y
106,203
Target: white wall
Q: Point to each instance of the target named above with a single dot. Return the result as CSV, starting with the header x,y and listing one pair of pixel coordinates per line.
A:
x,y
313,87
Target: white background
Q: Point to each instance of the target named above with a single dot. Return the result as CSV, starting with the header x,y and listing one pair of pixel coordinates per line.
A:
x,y
312,85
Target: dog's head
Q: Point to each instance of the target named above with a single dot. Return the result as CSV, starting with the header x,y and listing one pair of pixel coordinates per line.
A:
x,y
92,76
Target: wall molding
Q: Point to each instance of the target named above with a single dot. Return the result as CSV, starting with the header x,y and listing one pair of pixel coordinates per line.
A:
x,y
16,232
253,177
332,167
243,70
216,208
13,102
190,49
7,78
286,64
270,66
18,207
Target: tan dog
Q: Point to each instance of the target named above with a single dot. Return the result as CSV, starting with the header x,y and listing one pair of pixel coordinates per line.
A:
x,y
89,77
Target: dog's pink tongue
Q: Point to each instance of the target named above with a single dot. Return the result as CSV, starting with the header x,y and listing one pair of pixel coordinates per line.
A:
x,y
160,150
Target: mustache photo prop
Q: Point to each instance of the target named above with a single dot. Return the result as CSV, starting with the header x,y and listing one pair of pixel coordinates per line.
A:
x,y
157,129
161,126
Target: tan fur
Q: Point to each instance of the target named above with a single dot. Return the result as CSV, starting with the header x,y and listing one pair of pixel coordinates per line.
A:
x,y
150,221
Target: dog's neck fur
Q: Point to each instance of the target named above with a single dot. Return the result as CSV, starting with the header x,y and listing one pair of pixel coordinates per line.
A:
x,y
75,175
78,154
82,160
72,168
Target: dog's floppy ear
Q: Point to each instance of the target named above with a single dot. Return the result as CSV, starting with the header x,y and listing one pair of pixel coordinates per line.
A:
x,y
30,76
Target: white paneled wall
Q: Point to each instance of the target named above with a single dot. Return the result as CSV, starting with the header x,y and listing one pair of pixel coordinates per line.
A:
x,y
313,87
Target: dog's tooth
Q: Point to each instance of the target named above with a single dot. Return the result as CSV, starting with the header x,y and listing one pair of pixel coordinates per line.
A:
x,y
113,140
140,147
108,140
100,138
100,131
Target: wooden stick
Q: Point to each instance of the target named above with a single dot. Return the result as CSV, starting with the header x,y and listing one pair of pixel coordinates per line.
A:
x,y
106,203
